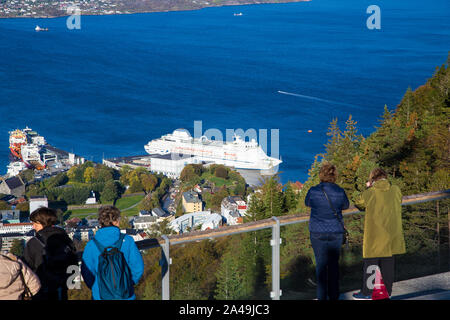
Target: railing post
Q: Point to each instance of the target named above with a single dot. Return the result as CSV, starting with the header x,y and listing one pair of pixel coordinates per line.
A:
x,y
165,268
275,243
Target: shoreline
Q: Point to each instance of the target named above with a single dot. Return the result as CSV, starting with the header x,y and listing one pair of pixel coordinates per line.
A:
x,y
157,11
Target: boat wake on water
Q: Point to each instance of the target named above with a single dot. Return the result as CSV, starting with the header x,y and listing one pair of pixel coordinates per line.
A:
x,y
319,99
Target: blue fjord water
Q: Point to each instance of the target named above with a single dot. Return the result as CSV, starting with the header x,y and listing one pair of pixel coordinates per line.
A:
x,y
122,80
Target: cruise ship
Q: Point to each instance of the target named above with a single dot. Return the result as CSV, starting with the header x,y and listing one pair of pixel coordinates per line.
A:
x,y
238,154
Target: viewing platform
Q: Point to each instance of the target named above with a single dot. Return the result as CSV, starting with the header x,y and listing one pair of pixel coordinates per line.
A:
x,y
414,284
432,287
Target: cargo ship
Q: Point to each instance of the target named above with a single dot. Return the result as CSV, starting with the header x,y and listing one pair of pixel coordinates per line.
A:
x,y
25,145
239,154
17,139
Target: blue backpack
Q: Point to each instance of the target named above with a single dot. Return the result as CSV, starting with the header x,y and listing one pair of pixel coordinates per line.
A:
x,y
113,274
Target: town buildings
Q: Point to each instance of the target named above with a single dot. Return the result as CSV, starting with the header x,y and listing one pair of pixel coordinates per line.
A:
x,y
191,221
191,202
13,186
21,227
170,164
8,239
233,208
92,198
37,202
10,216
144,222
9,232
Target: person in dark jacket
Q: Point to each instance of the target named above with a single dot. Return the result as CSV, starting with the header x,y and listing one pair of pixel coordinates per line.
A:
x,y
327,230
49,254
107,235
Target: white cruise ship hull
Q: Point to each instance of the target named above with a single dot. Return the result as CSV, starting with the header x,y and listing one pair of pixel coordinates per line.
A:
x,y
238,154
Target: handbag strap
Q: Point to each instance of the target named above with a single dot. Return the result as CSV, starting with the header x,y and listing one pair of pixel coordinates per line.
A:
x,y
334,211
27,291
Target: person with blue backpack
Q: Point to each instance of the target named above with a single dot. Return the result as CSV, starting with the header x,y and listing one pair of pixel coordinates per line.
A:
x,y
111,263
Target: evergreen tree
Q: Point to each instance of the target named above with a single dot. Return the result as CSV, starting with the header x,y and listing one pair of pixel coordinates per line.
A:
x,y
290,198
229,280
250,266
313,179
272,197
335,135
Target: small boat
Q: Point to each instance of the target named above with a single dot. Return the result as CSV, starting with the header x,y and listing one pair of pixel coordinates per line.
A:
x,y
40,29
238,14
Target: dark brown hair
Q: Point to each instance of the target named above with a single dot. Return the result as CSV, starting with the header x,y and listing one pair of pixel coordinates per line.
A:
x,y
45,216
377,174
328,173
107,215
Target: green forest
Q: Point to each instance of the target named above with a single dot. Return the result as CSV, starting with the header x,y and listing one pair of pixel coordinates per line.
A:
x,y
411,142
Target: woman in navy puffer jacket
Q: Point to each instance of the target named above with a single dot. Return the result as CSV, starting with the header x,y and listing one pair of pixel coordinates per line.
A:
x,y
326,230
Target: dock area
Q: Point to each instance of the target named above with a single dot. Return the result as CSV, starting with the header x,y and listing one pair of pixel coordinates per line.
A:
x,y
131,161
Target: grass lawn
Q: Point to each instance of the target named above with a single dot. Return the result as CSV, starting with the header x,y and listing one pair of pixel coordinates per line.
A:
x,y
126,202
216,180
121,204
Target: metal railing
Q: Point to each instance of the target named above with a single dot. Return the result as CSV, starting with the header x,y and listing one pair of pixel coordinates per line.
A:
x,y
275,223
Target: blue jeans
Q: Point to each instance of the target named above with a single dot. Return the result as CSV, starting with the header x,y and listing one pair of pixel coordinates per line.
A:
x,y
327,248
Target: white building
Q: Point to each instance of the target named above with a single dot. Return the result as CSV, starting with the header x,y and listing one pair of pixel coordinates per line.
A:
x,y
21,228
134,234
170,164
37,202
192,220
145,213
83,233
14,168
214,221
92,198
144,222
233,208
75,160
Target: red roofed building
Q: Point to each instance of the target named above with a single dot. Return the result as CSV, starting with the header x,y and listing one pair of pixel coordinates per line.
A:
x,y
297,186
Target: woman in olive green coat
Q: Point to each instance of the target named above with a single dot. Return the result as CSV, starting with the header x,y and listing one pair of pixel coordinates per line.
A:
x,y
383,231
